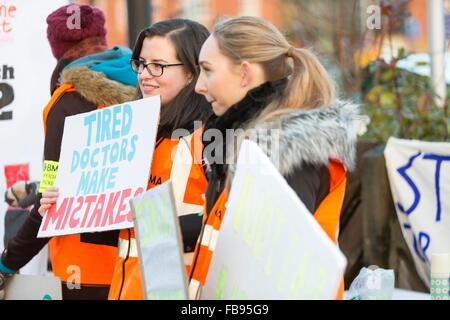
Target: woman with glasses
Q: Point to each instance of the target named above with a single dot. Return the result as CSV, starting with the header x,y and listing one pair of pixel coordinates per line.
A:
x,y
165,58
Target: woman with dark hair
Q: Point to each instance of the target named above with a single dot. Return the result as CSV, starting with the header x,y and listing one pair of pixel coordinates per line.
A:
x,y
165,58
174,79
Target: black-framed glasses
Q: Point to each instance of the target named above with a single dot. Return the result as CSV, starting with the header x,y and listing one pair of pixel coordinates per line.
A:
x,y
155,69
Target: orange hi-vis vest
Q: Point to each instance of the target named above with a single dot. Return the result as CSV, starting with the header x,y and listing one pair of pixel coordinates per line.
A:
x,y
327,215
180,162
72,260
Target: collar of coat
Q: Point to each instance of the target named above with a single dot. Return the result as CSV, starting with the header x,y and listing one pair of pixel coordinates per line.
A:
x,y
312,136
248,108
236,117
96,88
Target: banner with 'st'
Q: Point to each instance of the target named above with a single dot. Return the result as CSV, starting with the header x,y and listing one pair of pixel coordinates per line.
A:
x,y
418,174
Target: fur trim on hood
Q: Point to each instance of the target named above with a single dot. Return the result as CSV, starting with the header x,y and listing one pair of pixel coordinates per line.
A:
x,y
97,88
314,136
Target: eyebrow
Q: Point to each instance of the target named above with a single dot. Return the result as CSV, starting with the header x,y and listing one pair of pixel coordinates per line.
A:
x,y
155,60
203,63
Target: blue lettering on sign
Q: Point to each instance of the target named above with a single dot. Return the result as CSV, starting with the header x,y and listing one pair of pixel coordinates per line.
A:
x,y
421,246
437,174
420,243
402,172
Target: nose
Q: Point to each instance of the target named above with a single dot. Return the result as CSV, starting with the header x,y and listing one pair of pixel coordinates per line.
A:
x,y
200,86
145,74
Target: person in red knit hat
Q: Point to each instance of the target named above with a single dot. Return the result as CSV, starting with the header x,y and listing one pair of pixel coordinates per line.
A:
x,y
69,41
87,76
63,35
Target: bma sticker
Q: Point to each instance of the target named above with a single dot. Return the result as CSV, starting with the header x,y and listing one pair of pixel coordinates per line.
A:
x,y
48,175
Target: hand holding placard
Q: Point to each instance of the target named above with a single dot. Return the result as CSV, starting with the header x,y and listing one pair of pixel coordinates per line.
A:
x,y
105,160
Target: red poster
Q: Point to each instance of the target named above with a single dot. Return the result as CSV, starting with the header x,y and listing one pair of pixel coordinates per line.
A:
x,y
16,172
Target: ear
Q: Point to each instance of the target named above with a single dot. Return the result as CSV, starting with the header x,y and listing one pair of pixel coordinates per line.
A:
x,y
190,77
247,74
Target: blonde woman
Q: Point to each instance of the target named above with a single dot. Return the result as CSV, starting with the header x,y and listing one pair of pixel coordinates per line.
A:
x,y
253,79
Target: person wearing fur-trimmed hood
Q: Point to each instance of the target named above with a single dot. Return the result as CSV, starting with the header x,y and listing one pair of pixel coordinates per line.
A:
x,y
255,79
87,76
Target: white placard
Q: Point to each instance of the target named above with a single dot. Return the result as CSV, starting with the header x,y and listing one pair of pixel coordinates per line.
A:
x,y
269,245
419,175
159,244
105,160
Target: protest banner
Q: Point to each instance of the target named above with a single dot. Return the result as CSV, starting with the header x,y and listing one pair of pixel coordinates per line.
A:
x,y
159,244
418,176
26,66
269,245
105,160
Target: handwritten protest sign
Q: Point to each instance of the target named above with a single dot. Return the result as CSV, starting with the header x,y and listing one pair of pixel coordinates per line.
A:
x,y
419,173
269,245
159,244
105,160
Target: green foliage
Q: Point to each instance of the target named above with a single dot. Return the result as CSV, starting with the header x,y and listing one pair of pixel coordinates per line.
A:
x,y
401,104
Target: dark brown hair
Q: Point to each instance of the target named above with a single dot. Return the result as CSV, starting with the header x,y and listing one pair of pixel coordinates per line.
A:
x,y
187,36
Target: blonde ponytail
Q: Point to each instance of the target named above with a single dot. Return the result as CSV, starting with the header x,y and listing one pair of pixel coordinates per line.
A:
x,y
256,40
309,86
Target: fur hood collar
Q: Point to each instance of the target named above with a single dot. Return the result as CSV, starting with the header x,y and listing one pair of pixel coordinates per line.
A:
x,y
96,87
314,136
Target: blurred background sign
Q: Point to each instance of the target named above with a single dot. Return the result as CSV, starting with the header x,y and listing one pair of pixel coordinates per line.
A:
x,y
26,64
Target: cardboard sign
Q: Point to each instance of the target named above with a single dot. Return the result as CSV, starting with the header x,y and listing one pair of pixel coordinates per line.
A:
x,y
26,287
159,244
269,245
105,160
419,175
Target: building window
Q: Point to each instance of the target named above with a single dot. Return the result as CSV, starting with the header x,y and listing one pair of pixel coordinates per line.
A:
x,y
250,7
196,10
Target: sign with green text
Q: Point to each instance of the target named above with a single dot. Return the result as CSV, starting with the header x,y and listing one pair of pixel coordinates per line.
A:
x,y
269,245
159,244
